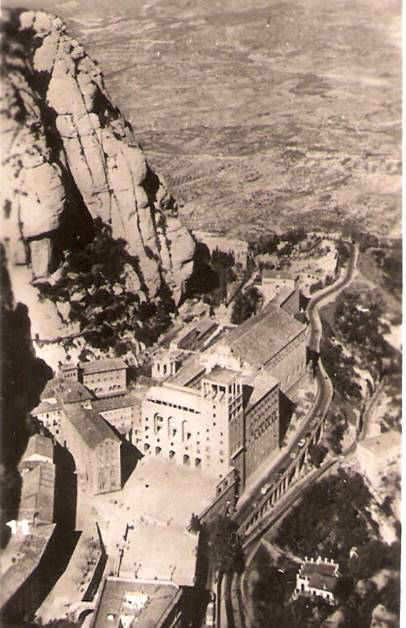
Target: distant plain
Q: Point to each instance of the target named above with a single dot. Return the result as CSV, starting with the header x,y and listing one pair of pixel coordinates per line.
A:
x,y
260,115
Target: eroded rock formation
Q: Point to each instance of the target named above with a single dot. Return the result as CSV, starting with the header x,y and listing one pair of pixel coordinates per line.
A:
x,y
70,157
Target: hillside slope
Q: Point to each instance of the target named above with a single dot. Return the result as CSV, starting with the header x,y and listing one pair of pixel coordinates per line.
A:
x,y
70,163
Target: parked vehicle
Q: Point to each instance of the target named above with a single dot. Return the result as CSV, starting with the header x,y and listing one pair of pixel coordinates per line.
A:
x,y
302,442
265,488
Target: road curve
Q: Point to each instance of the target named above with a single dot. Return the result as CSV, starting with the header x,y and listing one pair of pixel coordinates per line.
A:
x,y
323,397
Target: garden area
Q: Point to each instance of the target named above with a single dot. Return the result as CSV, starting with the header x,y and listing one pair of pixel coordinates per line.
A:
x,y
333,521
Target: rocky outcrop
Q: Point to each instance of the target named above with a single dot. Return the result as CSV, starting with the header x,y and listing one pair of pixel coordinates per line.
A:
x,y
70,157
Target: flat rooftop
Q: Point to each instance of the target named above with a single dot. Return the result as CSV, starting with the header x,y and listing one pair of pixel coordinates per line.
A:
x,y
223,375
276,274
321,575
260,384
137,602
158,502
115,403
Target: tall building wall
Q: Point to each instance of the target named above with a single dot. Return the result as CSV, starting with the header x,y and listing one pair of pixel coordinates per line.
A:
x,y
178,427
199,428
262,430
106,466
106,384
289,365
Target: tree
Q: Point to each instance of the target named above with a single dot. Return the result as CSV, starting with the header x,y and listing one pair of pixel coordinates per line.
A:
x,y
94,281
246,304
317,454
224,544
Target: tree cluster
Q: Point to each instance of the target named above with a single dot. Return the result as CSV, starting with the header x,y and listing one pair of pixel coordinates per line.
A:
x,y
93,280
246,304
269,242
359,323
389,261
223,544
331,519
272,597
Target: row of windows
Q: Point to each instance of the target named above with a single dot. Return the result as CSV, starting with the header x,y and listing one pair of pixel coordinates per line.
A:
x,y
102,378
172,453
173,405
101,388
198,442
260,429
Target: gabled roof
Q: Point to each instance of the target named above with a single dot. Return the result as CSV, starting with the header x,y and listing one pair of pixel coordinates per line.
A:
x,y
37,493
39,444
261,337
90,425
102,366
66,391
114,403
321,575
188,373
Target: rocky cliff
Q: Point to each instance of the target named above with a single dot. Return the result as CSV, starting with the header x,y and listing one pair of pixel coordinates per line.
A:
x,y
70,161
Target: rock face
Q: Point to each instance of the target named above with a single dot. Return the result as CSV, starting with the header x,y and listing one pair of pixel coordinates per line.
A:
x,y
70,157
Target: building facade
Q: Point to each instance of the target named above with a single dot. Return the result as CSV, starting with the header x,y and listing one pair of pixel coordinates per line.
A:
x,y
103,389
261,422
105,378
199,427
317,577
95,449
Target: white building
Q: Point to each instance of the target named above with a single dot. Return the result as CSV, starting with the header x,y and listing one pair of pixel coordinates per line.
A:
x,y
317,577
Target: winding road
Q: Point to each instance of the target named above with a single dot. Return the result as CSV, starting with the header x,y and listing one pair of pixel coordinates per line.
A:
x,y
233,592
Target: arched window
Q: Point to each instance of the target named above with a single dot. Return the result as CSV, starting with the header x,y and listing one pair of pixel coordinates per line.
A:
x,y
102,479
